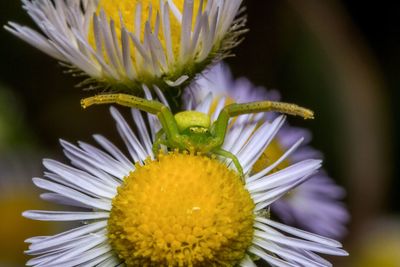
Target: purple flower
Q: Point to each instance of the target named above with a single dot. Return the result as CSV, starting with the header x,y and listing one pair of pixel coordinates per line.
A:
x,y
316,205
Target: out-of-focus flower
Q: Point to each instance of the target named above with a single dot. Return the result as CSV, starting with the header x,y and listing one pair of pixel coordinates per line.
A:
x,y
378,244
176,209
316,204
17,195
123,44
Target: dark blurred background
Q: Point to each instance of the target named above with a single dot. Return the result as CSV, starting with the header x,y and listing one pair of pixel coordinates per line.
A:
x,y
340,58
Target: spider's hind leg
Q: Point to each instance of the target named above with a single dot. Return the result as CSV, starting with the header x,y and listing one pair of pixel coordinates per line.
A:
x,y
158,141
163,113
229,155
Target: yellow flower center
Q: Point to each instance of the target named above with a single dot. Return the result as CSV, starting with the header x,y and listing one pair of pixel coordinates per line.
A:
x,y
127,9
273,152
181,210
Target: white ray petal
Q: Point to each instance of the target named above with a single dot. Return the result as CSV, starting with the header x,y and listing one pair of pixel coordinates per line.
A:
x,y
52,241
287,253
86,157
42,215
252,151
131,141
277,193
287,175
107,259
270,259
247,262
67,244
62,200
300,233
73,194
275,164
298,243
107,179
234,140
205,105
80,179
86,256
104,157
111,261
113,150
74,250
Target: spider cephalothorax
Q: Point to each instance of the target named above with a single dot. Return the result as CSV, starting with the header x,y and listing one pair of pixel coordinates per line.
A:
x,y
191,130
194,129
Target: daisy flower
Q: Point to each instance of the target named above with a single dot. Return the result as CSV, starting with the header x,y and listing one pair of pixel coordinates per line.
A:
x,y
316,204
123,44
174,208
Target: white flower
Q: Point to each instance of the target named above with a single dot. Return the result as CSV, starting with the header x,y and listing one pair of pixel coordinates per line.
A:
x,y
123,44
179,209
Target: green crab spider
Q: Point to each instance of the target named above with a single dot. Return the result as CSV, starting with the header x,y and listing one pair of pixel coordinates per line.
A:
x,y
191,130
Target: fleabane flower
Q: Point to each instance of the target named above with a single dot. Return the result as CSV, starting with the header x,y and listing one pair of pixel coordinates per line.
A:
x,y
315,205
175,208
123,44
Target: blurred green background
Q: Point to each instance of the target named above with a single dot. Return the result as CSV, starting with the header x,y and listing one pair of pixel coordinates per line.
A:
x,y
340,58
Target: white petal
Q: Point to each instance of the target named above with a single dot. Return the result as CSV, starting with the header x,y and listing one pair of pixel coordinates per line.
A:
x,y
58,199
79,179
247,262
73,194
111,261
270,259
298,243
75,249
287,254
86,256
64,215
134,146
205,106
113,150
287,175
300,233
276,163
178,81
84,157
51,241
104,158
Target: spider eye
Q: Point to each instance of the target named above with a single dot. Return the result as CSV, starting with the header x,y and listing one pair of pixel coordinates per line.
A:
x,y
198,130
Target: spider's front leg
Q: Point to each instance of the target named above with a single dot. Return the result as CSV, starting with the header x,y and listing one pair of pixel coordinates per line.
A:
x,y
164,114
234,110
150,106
220,126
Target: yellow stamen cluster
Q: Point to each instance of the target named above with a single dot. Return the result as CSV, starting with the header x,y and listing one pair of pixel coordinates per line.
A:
x,y
182,210
126,9
273,152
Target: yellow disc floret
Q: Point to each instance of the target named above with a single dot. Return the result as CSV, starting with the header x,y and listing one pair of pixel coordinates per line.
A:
x,y
271,154
181,210
127,10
